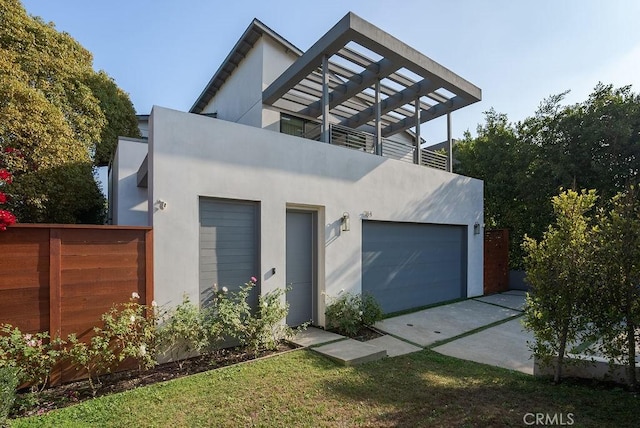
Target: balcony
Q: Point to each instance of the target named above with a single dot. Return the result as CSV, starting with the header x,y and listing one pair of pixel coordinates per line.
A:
x,y
365,142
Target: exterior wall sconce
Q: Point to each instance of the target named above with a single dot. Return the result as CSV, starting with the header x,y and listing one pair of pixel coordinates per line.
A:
x,y
161,204
476,229
367,214
345,225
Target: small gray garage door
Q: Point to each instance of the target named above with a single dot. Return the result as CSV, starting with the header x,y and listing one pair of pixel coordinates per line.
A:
x,y
408,265
229,247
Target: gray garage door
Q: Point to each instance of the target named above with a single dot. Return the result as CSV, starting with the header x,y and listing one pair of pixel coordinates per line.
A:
x,y
229,250
408,265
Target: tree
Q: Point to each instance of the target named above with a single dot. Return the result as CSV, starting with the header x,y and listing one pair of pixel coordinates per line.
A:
x,y
559,269
119,113
615,304
54,111
594,144
513,195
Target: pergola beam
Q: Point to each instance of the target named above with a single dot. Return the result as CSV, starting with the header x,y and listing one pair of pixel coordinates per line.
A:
x,y
399,99
426,115
356,84
328,44
362,60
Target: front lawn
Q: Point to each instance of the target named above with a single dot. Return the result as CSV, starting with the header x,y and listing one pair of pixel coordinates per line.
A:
x,y
301,388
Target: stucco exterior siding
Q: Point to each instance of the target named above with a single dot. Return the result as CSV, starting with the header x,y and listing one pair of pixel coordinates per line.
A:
x,y
128,202
192,156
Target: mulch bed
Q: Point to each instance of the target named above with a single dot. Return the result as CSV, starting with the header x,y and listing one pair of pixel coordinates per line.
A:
x,y
364,334
71,393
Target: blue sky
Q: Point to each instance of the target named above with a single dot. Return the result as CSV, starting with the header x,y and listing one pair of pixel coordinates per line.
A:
x,y
163,52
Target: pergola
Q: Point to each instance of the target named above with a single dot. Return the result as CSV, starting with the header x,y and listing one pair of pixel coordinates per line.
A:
x,y
361,75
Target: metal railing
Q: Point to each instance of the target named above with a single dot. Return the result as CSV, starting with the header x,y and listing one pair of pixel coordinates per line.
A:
x,y
365,142
434,159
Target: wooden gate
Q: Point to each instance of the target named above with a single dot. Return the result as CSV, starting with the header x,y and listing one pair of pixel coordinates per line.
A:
x,y
496,261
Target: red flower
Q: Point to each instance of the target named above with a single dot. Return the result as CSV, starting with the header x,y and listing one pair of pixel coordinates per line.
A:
x,y
3,198
6,219
6,176
14,151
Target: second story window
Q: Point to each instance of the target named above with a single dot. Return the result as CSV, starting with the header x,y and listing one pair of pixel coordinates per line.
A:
x,y
299,127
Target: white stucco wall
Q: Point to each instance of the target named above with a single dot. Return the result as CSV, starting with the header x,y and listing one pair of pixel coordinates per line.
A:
x,y
276,59
240,98
128,201
192,156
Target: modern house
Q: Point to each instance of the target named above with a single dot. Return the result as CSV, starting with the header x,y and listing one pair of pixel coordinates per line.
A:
x,y
306,170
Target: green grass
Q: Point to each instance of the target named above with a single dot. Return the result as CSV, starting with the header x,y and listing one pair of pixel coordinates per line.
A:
x,y
304,389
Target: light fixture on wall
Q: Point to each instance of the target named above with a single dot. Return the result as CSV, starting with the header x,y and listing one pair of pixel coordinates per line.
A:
x,y
161,204
476,229
344,223
367,214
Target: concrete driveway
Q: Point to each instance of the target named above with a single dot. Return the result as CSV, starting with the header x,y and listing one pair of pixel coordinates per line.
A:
x,y
484,329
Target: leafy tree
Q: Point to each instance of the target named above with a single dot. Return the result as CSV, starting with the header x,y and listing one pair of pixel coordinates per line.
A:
x,y
119,113
615,303
594,144
559,270
513,196
54,111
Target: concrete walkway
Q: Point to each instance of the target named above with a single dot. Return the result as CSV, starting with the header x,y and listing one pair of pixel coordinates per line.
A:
x,y
485,329
433,325
504,345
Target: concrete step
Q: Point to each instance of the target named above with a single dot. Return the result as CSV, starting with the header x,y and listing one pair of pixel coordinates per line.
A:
x,y
313,336
351,352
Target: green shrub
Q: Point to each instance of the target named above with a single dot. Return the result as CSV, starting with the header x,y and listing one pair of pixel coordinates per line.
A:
x,y
129,331
8,384
184,330
266,329
32,355
349,313
96,357
371,310
259,330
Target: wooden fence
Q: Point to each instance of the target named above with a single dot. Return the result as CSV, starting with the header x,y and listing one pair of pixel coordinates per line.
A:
x,y
496,261
62,278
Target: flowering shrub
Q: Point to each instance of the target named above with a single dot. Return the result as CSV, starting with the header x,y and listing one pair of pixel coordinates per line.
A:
x,y
257,330
183,331
349,313
266,330
96,357
32,355
6,217
129,331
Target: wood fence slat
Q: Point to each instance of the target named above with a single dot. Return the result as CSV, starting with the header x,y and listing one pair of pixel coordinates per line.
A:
x,y
55,275
148,262
127,247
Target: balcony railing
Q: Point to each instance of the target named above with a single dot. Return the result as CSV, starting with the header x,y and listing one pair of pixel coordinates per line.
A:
x,y
365,142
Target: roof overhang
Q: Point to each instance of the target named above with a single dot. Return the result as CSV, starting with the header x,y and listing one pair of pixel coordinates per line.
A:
x,y
359,56
254,31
